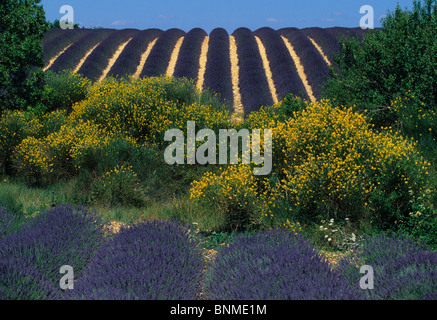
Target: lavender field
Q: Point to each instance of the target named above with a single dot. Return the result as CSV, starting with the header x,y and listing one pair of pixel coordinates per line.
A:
x,y
100,53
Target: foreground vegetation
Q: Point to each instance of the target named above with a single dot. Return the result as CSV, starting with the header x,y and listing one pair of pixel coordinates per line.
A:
x,y
343,172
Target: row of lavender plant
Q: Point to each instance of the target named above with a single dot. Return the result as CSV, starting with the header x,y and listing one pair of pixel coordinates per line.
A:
x,y
98,59
159,58
52,34
254,87
273,265
284,71
315,68
153,260
162,260
72,56
60,42
402,269
278,265
31,258
130,58
218,78
327,42
189,54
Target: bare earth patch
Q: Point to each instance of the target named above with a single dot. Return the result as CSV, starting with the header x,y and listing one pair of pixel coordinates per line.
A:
x,y
267,70
113,59
174,57
82,61
144,57
299,68
235,71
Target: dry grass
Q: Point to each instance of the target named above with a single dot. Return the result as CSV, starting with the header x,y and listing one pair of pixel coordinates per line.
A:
x,y
202,63
82,61
267,70
299,68
235,71
52,60
320,51
113,59
144,57
174,57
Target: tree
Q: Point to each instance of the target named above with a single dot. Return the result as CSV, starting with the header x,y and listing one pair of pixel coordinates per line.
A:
x,y
400,56
57,24
22,25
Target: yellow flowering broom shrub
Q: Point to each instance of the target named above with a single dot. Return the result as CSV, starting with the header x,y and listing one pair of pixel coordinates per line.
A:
x,y
61,151
145,109
231,193
330,163
15,126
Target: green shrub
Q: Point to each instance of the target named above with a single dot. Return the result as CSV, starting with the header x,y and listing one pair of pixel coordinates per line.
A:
x,y
389,62
64,89
119,186
328,163
14,127
144,109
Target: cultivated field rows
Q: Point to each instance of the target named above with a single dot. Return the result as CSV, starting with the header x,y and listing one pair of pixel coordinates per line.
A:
x,y
248,69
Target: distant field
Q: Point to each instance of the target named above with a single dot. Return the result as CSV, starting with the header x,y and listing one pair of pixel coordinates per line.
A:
x,y
247,68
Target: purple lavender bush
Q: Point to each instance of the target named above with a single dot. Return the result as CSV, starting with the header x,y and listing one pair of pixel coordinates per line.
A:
x,y
316,69
130,58
159,57
31,258
60,42
154,260
254,88
52,34
72,56
402,269
284,71
218,78
98,60
188,61
273,265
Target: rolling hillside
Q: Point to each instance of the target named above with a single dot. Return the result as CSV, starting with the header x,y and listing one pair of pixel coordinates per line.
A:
x,y
247,68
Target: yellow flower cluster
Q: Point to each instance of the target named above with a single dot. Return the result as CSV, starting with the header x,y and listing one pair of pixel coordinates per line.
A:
x,y
235,186
326,159
61,150
33,158
293,227
144,108
112,175
332,156
409,109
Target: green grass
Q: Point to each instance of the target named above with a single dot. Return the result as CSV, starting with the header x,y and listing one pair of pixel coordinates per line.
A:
x,y
18,197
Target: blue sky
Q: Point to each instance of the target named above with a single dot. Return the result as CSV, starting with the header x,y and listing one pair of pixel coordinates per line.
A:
x,y
228,14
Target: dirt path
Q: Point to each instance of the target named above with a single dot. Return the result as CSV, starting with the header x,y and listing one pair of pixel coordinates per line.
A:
x,y
174,57
113,59
144,57
202,63
299,68
320,51
267,70
235,71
